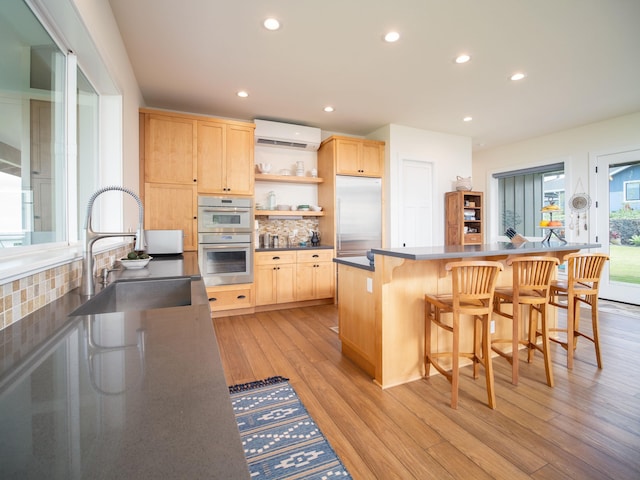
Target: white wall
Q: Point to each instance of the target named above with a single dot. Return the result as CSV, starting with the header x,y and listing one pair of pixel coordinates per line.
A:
x,y
99,21
450,156
571,146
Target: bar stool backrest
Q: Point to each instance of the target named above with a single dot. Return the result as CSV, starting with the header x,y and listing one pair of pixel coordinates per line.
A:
x,y
532,275
473,284
584,271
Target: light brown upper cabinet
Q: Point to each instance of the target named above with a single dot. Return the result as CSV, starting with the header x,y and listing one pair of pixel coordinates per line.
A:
x,y
172,207
170,149
183,155
356,156
225,158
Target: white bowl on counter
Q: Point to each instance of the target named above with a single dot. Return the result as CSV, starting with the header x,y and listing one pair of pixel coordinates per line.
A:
x,y
135,264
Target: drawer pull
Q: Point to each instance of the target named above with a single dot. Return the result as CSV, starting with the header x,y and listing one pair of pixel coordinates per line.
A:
x,y
275,258
240,297
316,255
213,299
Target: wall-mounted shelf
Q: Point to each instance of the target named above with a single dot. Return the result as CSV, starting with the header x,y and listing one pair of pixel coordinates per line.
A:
x,y
266,177
289,213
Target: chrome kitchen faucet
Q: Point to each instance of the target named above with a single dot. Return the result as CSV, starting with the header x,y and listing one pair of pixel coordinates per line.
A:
x,y
87,287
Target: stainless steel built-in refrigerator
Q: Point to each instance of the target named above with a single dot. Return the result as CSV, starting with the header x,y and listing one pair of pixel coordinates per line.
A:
x,y
358,215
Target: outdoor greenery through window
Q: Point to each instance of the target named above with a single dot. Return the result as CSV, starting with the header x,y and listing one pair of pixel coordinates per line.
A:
x,y
522,194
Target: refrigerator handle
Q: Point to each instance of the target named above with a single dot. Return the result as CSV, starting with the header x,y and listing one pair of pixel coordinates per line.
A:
x,y
338,236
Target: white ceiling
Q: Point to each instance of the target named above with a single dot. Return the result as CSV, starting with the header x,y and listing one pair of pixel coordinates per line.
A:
x,y
580,56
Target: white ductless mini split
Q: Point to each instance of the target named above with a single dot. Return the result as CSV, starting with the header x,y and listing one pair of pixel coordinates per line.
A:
x,y
286,135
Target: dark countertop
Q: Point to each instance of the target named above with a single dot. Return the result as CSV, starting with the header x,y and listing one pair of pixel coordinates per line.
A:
x,y
356,262
470,251
138,394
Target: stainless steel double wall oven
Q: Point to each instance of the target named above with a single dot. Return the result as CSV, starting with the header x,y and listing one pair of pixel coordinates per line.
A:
x,y
225,240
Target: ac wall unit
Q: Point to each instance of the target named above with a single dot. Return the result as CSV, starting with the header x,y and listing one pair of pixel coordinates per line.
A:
x,y
286,135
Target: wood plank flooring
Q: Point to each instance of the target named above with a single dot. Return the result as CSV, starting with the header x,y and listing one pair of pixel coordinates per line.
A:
x,y
586,427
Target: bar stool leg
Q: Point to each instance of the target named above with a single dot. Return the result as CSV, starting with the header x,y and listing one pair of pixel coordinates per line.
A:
x,y
515,342
571,313
546,349
594,323
427,338
488,364
455,361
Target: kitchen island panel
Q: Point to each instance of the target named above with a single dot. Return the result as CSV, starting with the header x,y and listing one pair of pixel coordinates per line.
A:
x,y
402,277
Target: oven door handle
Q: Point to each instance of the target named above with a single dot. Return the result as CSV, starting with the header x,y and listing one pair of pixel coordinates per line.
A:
x,y
225,210
212,246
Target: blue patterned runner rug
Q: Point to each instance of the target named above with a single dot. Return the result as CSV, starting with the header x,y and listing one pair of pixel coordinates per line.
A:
x,y
280,439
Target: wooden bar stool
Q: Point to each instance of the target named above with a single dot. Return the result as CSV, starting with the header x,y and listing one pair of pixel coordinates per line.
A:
x,y
530,287
582,285
473,286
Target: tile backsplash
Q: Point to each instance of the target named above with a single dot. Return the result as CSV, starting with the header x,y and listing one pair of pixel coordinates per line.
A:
x,y
285,228
21,297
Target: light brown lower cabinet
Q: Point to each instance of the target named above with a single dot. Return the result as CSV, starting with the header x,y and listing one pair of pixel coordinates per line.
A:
x,y
275,277
231,297
315,274
294,276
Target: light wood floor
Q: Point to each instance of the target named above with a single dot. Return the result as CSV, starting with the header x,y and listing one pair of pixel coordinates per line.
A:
x,y
586,427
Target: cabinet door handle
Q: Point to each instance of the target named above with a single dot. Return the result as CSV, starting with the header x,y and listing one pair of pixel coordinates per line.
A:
x,y
213,299
240,297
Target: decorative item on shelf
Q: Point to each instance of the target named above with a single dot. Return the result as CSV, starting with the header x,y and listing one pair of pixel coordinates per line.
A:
x,y
264,167
300,168
303,208
463,184
469,214
271,200
285,172
314,172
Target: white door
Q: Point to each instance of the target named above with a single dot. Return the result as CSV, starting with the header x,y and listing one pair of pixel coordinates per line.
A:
x,y
617,196
416,227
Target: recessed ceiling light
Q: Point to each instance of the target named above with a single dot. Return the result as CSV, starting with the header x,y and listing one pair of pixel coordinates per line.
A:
x,y
391,37
463,58
467,119
242,94
517,76
328,109
271,24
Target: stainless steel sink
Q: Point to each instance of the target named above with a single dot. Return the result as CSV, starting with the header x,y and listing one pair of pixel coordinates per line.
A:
x,y
138,295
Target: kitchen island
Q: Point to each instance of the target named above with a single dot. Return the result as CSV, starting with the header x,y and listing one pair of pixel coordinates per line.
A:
x,y
388,341
131,395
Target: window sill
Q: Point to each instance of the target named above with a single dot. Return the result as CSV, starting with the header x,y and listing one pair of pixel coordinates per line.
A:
x,y
24,264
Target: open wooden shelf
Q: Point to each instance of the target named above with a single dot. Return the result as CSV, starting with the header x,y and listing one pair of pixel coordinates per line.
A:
x,y
289,213
267,177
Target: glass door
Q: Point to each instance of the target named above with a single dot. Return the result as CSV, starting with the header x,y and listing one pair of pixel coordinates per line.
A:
x,y
617,187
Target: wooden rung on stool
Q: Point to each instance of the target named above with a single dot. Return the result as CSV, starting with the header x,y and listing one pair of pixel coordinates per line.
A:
x,y
473,285
530,288
582,285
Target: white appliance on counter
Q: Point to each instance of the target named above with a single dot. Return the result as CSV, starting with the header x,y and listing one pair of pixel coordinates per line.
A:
x,y
164,242
358,215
